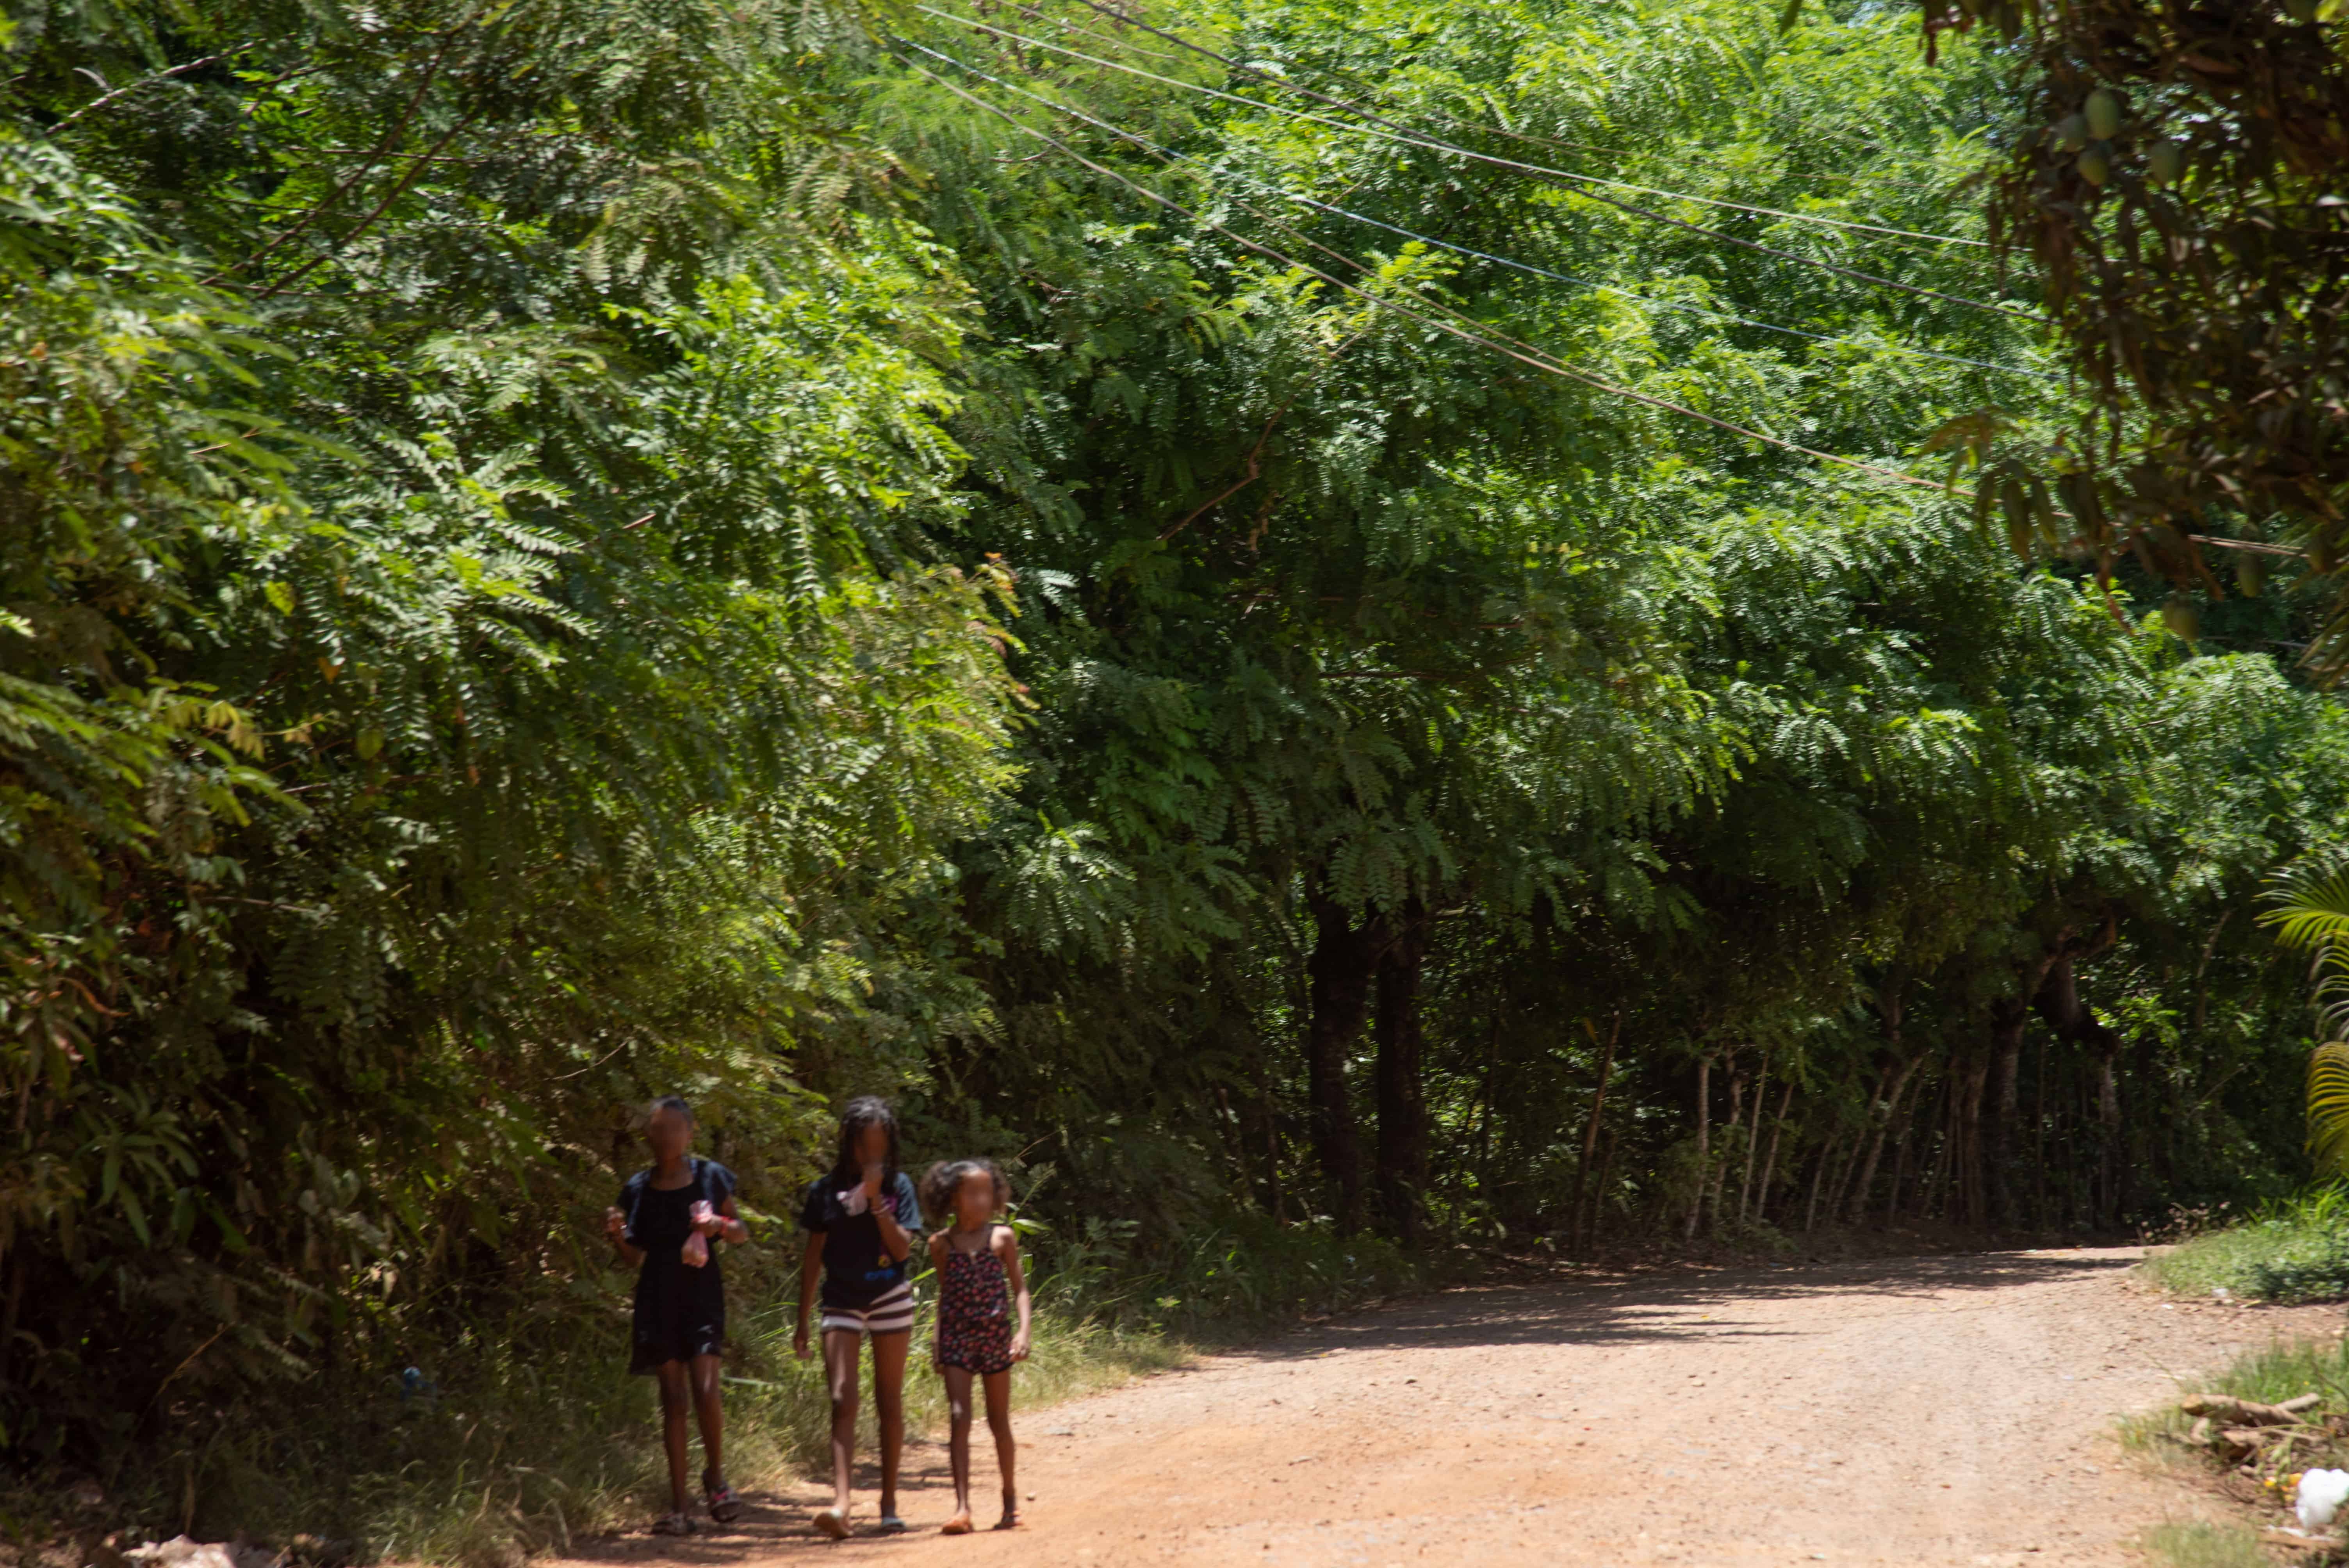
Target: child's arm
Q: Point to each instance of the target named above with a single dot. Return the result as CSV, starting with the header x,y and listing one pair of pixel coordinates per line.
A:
x,y
1006,1247
897,1241
937,1265
616,1226
811,1265
730,1226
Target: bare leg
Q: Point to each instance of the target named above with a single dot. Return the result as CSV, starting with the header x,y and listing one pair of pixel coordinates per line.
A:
x,y
999,1421
839,1346
958,1444
889,1405
711,1412
674,1400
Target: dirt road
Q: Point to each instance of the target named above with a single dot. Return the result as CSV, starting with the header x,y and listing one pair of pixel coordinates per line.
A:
x,y
1932,1410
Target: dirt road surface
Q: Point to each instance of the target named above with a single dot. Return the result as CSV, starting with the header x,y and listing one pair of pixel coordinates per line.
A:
x,y
1916,1411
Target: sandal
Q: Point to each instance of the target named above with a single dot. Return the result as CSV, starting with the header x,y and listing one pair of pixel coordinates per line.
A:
x,y
889,1524
677,1524
725,1503
832,1521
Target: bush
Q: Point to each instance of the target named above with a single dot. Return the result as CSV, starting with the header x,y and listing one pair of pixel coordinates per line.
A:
x,y
2292,1252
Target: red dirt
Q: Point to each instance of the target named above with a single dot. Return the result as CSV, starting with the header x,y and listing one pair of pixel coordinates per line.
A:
x,y
1909,1411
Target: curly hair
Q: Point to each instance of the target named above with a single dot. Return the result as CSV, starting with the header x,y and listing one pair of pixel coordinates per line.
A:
x,y
865,1111
941,1182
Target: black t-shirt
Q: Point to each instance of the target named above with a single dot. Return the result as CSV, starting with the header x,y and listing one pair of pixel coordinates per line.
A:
x,y
660,1220
856,1271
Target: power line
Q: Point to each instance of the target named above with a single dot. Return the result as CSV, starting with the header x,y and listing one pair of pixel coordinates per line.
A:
x,y
1373,89
1275,79
1413,139
1526,267
1533,357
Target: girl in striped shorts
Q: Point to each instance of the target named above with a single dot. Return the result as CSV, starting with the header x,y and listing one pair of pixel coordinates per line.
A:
x,y
861,1218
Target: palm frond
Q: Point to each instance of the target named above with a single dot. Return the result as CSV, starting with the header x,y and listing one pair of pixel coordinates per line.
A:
x,y
2328,1108
2311,908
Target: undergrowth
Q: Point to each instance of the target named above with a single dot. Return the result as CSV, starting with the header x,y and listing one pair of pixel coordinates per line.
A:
x,y
2200,1545
2270,1375
534,1438
2292,1250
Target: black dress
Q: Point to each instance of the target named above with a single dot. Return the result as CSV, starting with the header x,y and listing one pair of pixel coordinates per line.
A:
x,y
680,1311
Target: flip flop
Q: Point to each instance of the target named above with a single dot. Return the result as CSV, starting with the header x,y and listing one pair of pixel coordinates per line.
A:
x,y
890,1526
832,1521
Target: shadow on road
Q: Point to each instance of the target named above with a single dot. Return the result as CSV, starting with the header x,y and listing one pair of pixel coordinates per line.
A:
x,y
1640,1307
1649,1307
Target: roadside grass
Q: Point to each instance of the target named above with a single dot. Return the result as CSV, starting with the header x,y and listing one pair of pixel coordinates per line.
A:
x,y
2199,1545
2292,1250
2271,1374
536,1438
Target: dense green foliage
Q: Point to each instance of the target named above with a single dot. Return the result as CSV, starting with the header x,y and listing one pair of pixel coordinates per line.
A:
x,y
1393,659
2178,172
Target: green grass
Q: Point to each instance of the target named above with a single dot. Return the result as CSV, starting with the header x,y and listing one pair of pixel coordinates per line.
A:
x,y
2270,1375
2296,1251
2202,1545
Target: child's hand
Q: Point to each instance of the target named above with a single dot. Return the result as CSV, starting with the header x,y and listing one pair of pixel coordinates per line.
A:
x,y
616,1224
1020,1346
704,1218
873,1173
800,1342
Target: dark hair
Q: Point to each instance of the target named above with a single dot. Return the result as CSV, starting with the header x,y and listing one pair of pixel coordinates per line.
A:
x,y
675,1102
941,1182
865,1111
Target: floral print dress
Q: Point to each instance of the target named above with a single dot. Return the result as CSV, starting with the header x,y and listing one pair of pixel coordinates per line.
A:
x,y
974,1312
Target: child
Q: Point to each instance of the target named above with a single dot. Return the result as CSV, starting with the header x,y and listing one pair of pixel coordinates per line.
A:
x,y
663,1224
861,1217
979,1278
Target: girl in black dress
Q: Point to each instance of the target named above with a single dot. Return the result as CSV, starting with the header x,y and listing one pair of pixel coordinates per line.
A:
x,y
665,1224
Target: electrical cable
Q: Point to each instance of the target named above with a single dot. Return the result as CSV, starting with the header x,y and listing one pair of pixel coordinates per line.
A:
x,y
1277,80
1536,359
1420,139
1526,267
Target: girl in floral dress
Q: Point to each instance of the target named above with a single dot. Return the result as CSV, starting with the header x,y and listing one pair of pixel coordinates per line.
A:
x,y
979,1278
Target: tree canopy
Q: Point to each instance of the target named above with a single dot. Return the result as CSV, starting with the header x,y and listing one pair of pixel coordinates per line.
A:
x,y
1317,617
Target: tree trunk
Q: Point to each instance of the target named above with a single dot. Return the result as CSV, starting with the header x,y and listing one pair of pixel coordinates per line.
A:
x,y
1858,1211
1902,1143
1344,954
1234,1135
1599,1194
1590,1127
1770,1162
1973,1197
1728,1144
1703,1140
2039,1139
2007,1017
1272,1194
2058,1001
1753,1141
1932,1189
1401,1097
1826,1156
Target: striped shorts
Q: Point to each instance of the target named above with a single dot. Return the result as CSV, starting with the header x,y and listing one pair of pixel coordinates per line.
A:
x,y
892,1313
